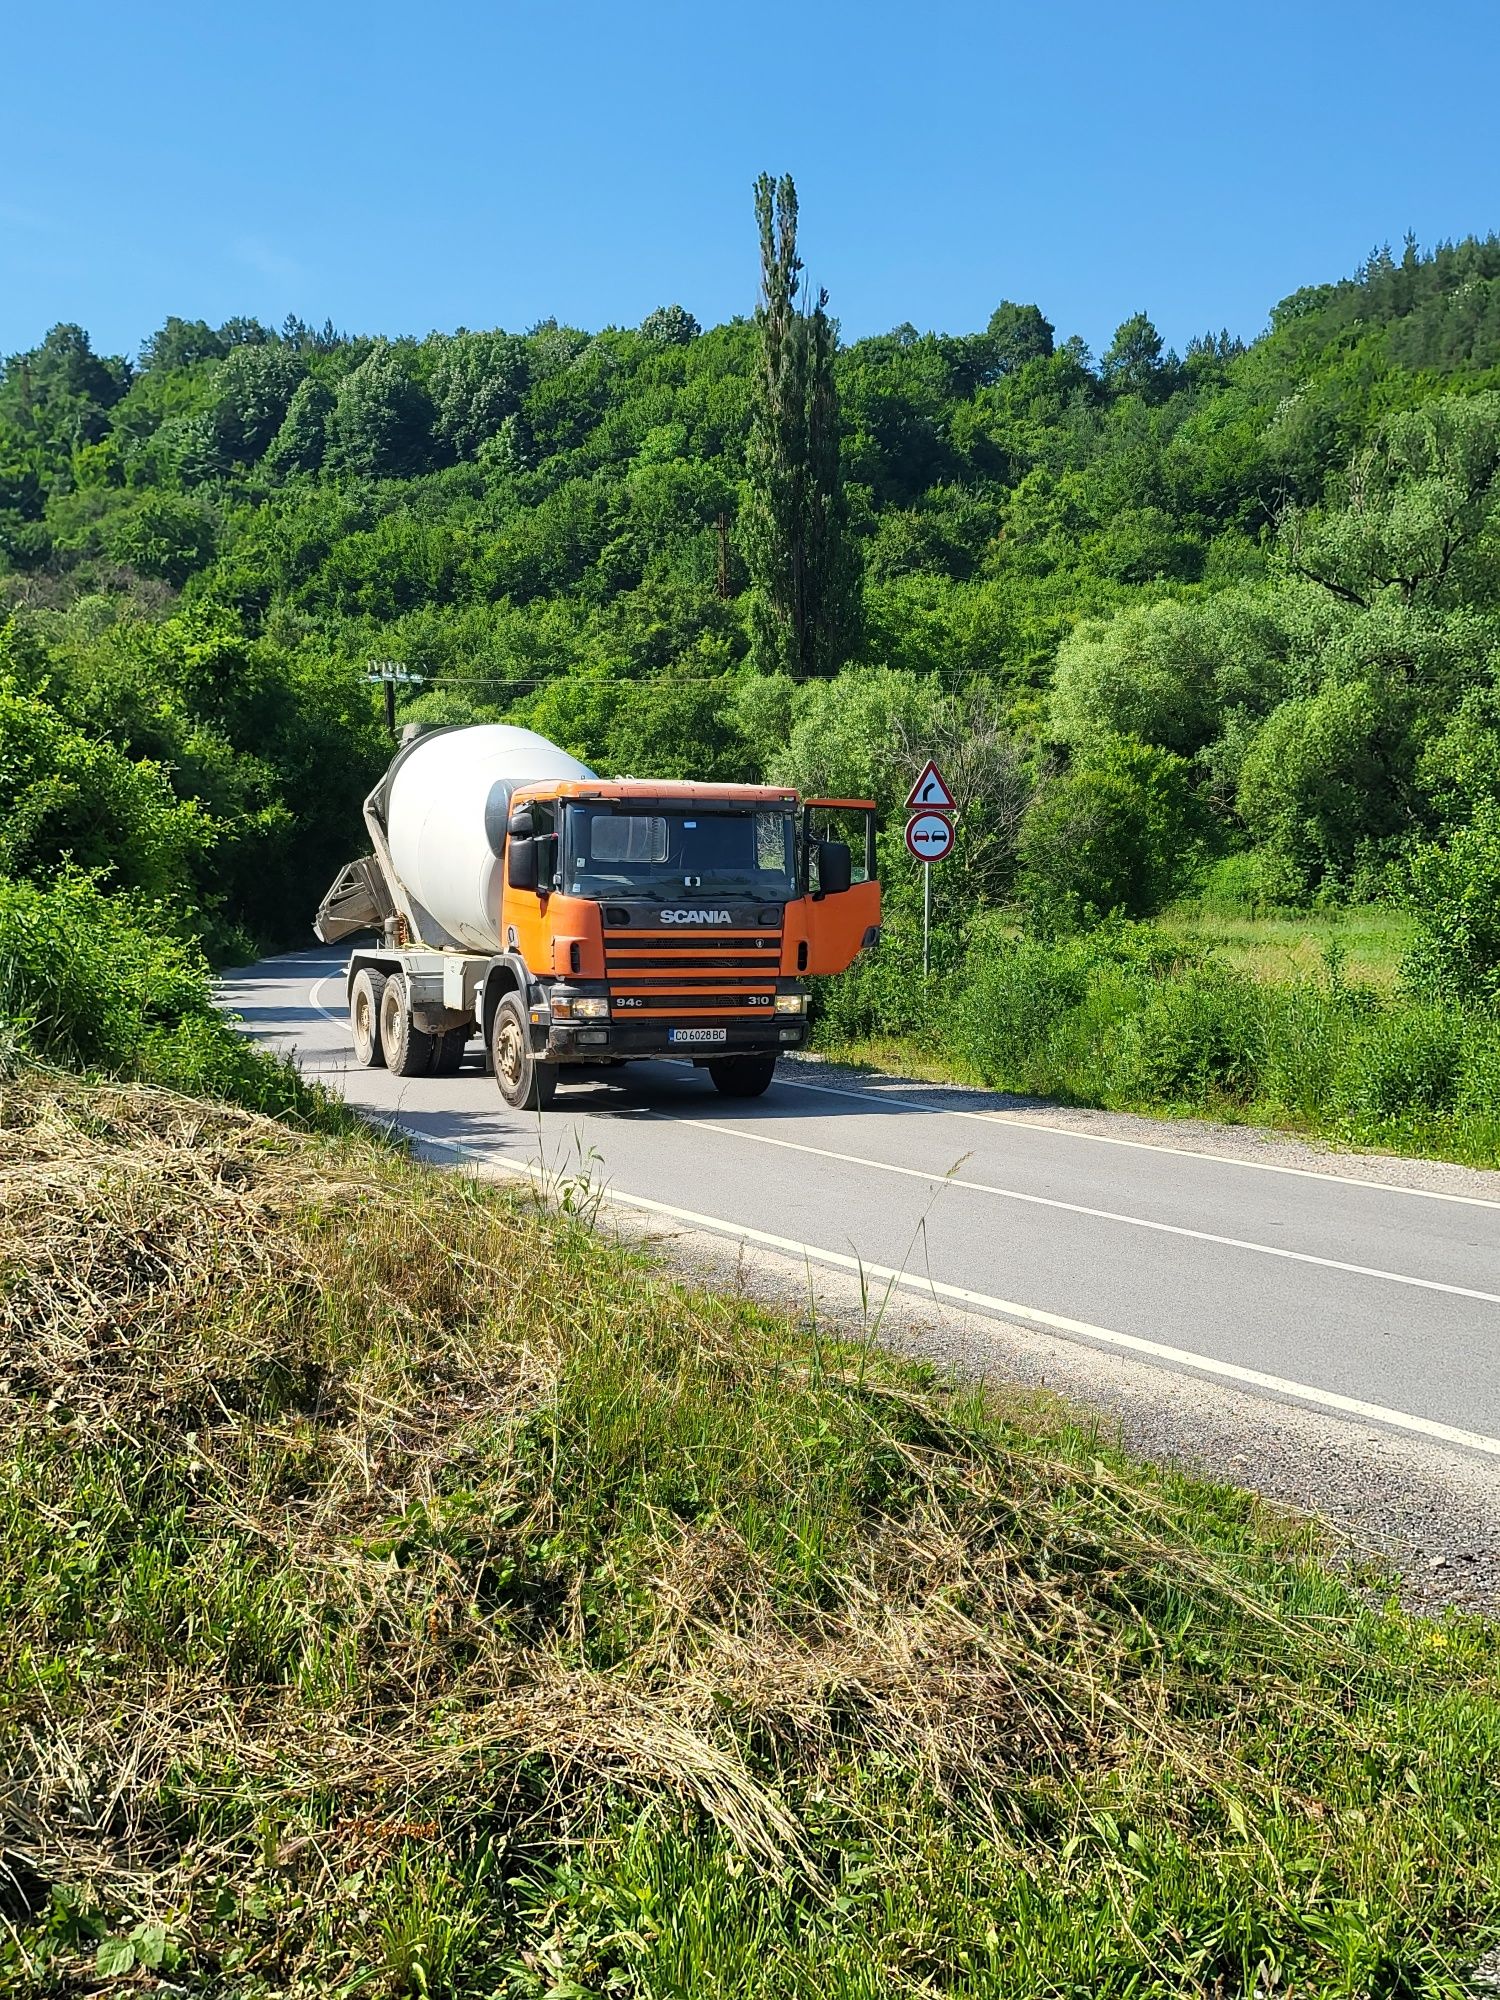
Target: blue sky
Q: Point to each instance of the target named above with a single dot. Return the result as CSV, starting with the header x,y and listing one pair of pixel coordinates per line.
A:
x,y
401,167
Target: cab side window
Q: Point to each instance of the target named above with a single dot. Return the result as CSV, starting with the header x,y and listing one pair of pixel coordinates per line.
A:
x,y
544,818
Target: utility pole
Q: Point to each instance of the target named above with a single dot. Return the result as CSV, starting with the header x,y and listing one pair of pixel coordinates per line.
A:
x,y
391,674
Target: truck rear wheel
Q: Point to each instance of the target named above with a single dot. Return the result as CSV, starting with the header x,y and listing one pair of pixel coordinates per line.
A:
x,y
525,1083
408,1049
364,1016
742,1076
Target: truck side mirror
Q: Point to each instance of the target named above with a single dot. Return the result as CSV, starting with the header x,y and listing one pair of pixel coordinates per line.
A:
x,y
835,867
521,862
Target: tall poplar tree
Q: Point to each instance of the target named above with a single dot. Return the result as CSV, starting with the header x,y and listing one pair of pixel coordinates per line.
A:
x,y
805,603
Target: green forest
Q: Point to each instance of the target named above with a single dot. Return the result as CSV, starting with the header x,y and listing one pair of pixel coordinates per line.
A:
x,y
1217,631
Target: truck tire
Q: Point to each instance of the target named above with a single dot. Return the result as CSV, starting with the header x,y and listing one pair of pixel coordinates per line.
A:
x,y
742,1076
525,1083
409,1050
450,1052
364,1016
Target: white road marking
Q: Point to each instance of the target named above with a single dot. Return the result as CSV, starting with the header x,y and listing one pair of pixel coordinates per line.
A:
x,y
338,1020
1155,1350
1160,1148
1078,1208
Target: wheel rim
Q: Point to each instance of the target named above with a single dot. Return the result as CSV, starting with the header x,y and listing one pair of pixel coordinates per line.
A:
x,y
364,1027
510,1060
390,1019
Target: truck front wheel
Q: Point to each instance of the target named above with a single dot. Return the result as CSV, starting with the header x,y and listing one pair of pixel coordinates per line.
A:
x,y
525,1083
742,1076
408,1049
364,1016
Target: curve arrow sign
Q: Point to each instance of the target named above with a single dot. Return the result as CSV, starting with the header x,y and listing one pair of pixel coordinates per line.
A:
x,y
930,793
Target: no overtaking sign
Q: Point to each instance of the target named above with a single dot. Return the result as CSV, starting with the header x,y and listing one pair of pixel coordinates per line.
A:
x,y
929,836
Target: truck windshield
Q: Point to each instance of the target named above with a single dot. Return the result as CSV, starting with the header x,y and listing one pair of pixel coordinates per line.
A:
x,y
668,855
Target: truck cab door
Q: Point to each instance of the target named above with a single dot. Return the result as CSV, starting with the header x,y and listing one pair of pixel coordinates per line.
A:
x,y
838,914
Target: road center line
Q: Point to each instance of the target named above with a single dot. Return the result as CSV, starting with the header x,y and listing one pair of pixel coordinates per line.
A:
x,y
1078,1208
1154,1350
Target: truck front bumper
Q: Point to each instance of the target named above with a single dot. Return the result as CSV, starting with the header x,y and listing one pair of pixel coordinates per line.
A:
x,y
607,1041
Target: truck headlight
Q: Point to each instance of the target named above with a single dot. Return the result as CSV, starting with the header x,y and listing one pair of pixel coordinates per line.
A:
x,y
791,1003
590,1007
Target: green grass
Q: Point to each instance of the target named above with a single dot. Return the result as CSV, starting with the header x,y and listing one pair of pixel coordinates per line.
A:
x,y
1369,941
404,1592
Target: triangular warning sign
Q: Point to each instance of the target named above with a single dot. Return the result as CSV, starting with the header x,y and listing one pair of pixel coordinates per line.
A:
x,y
930,793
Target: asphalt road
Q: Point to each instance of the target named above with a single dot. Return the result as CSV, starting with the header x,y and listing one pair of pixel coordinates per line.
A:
x,y
1367,1302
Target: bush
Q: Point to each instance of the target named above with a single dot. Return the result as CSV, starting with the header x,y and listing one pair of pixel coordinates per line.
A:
x,y
1304,1033
97,982
883,992
1405,1060
1115,836
1456,893
1253,884
1010,1009
1196,1039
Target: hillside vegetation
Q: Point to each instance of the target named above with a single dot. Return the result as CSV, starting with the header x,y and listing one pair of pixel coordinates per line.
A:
x,y
1219,624
404,1592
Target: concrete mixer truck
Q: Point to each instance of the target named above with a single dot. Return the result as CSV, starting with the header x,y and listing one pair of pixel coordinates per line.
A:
x,y
565,919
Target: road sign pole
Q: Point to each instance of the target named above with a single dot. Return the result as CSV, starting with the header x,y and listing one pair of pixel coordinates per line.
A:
x,y
926,921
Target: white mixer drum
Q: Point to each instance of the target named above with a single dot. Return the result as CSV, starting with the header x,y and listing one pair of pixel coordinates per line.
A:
x,y
446,806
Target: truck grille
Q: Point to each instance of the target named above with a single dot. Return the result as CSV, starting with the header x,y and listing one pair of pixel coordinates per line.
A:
x,y
656,973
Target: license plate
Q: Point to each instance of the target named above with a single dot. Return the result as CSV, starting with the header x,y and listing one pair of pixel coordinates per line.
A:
x,y
697,1035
